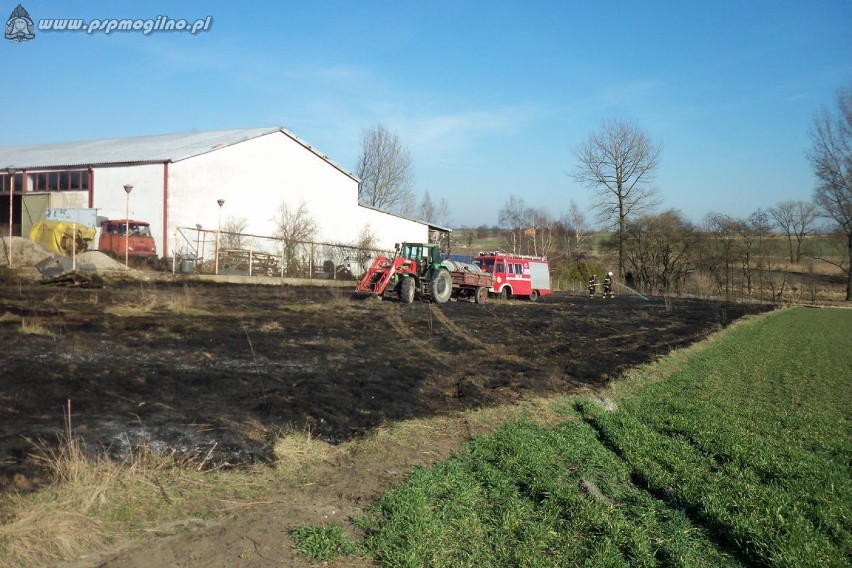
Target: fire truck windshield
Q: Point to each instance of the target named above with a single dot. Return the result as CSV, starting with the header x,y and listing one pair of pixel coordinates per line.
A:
x,y
486,265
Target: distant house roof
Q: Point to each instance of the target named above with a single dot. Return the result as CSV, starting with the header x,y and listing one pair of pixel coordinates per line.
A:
x,y
137,149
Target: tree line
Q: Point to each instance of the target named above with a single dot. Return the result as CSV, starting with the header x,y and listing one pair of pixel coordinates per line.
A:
x,y
660,251
655,251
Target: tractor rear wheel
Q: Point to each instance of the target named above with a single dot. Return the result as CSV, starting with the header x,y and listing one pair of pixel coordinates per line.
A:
x,y
406,290
441,286
481,295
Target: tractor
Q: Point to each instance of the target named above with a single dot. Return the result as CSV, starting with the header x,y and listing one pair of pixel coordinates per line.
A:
x,y
418,271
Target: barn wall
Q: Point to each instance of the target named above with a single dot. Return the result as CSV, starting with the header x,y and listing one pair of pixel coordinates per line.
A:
x,y
390,229
146,198
254,178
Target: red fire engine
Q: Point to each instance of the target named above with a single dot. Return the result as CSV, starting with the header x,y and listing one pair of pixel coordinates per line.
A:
x,y
516,275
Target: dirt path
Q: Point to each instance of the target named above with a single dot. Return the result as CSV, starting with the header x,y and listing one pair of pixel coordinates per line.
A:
x,y
215,368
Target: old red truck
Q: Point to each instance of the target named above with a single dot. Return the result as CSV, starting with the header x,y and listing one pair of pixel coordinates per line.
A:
x,y
139,244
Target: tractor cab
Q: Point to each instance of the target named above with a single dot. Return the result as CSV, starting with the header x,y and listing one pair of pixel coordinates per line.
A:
x,y
426,255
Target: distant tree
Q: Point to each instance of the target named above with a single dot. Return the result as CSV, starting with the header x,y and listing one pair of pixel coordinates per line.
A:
x,y
483,232
658,250
527,230
618,164
295,227
384,167
426,210
232,233
718,252
512,219
753,233
831,157
796,220
364,250
573,232
429,211
541,232
442,213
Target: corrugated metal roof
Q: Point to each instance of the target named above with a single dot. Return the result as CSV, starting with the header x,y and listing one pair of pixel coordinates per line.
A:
x,y
137,149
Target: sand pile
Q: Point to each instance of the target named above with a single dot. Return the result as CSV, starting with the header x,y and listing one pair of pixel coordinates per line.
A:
x,y
98,261
27,254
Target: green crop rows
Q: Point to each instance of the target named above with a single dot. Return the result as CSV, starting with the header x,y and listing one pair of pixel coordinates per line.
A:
x,y
740,457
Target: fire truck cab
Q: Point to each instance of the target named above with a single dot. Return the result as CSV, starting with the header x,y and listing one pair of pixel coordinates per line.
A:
x,y
516,275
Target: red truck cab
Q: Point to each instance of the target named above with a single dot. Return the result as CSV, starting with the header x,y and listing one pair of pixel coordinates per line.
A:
x,y
113,239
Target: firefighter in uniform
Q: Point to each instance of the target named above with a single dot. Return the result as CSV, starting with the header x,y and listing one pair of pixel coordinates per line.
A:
x,y
607,285
593,283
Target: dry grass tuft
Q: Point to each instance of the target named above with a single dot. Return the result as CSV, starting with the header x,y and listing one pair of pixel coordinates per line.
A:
x,y
149,301
9,317
269,326
35,326
59,524
44,532
296,450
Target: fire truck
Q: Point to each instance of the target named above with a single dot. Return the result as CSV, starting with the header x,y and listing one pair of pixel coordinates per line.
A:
x,y
516,275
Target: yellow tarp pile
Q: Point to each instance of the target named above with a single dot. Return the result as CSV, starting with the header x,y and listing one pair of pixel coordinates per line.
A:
x,y
62,236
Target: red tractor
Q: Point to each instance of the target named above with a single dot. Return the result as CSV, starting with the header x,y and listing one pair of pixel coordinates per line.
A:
x,y
418,271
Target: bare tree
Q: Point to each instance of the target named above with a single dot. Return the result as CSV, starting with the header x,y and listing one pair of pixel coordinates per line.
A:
x,y
426,210
831,157
574,231
512,219
232,237
364,250
658,251
295,227
384,167
719,250
435,213
528,230
542,232
753,233
618,164
796,220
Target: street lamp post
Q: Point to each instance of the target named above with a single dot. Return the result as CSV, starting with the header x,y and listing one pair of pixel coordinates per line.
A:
x,y
221,202
11,171
198,258
127,188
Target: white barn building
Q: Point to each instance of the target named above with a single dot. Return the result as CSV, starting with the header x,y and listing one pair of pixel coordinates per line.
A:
x,y
177,180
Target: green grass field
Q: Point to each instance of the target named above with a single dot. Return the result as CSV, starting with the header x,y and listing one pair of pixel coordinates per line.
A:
x,y
732,453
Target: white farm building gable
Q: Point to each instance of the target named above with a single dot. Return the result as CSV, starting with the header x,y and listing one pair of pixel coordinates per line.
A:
x,y
178,179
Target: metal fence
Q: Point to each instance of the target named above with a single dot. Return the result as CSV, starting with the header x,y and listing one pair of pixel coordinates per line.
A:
x,y
203,251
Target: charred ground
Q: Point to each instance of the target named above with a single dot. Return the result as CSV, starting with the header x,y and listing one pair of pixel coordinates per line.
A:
x,y
213,370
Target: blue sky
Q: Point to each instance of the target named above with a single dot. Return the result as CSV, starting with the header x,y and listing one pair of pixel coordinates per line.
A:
x,y
490,97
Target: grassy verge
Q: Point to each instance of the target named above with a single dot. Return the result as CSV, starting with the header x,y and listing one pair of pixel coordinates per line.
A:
x,y
739,457
91,503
